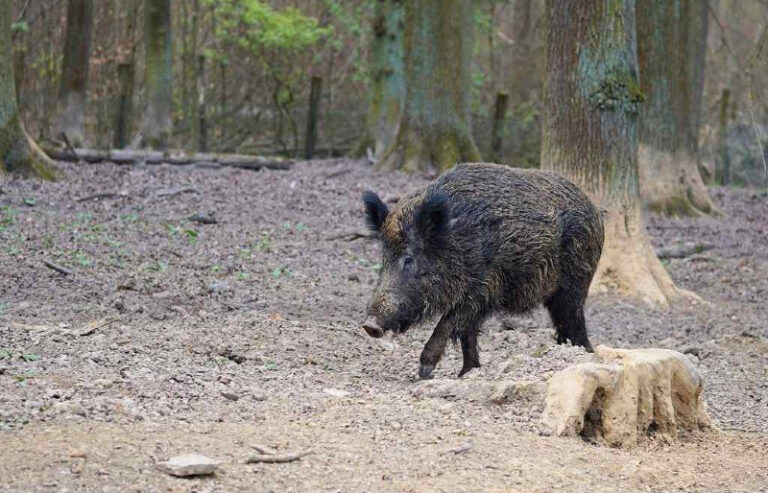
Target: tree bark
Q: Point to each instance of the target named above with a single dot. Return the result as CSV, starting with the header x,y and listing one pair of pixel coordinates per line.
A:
x,y
73,85
671,45
202,123
434,130
122,126
387,78
722,137
590,134
18,153
497,128
157,125
315,91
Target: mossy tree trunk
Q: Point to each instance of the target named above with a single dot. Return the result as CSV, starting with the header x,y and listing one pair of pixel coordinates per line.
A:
x,y
157,124
434,130
18,153
74,72
671,46
387,78
590,134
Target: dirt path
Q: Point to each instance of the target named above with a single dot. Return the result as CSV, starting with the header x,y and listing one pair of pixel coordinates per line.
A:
x,y
175,336
351,458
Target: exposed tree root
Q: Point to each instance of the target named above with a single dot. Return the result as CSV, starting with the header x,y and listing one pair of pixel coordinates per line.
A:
x,y
422,151
20,154
629,264
671,185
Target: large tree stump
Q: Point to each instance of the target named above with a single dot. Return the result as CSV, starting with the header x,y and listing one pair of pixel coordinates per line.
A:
x,y
626,395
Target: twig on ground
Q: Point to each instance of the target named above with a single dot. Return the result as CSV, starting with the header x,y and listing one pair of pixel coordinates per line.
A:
x,y
262,449
464,447
57,268
173,252
71,148
102,195
94,326
338,173
170,192
355,235
682,250
277,458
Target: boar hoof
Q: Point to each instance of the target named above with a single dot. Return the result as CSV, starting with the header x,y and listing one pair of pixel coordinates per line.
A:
x,y
425,371
467,369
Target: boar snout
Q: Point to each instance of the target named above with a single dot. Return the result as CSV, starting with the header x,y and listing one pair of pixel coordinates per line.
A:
x,y
372,327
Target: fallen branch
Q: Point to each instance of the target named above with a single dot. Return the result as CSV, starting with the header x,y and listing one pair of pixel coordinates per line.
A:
x,y
277,458
355,235
203,219
57,268
133,156
682,250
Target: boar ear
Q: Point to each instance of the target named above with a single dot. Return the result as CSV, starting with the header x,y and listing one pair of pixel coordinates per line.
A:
x,y
375,211
431,219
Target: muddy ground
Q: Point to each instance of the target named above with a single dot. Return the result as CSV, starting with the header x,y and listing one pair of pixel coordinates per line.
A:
x,y
173,336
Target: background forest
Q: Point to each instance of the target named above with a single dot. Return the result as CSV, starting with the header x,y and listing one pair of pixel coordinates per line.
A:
x,y
242,69
193,272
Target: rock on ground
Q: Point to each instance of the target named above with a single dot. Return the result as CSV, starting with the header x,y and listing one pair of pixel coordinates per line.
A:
x,y
626,394
189,465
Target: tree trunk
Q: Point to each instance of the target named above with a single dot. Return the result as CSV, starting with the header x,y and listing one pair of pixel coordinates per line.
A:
x,y
124,105
18,153
156,129
315,91
434,130
671,45
497,127
590,134
722,138
222,99
523,78
387,78
202,123
74,72
19,64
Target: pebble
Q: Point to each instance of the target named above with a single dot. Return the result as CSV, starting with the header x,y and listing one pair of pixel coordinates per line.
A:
x,y
230,395
218,287
336,392
69,407
189,465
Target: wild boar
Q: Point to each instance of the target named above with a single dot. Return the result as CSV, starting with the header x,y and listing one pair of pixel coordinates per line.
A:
x,y
482,239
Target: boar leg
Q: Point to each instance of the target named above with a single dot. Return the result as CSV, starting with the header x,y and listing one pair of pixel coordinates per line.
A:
x,y
469,351
455,321
567,312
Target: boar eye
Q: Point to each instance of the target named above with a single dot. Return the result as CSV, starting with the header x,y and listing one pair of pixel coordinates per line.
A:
x,y
407,261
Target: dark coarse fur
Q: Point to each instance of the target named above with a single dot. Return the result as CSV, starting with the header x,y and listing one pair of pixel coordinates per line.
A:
x,y
484,238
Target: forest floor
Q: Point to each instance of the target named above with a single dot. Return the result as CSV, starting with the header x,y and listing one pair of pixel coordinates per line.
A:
x,y
172,336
